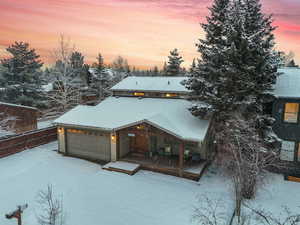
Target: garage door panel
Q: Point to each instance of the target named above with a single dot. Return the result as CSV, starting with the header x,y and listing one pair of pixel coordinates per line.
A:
x,y
89,145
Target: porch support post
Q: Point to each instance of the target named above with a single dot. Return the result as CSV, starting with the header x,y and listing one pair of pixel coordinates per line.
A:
x,y
113,146
61,140
118,144
181,158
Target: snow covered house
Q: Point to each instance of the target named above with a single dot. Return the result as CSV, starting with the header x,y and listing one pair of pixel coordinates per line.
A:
x,y
286,112
146,121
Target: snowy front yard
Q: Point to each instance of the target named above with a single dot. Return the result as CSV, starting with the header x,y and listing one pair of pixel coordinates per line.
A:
x,y
93,196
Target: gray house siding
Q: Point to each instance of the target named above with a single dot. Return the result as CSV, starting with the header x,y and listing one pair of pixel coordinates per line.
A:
x,y
287,132
284,130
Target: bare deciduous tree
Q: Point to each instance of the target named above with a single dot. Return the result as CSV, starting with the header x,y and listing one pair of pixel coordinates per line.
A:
x,y
260,216
245,157
66,93
210,212
50,210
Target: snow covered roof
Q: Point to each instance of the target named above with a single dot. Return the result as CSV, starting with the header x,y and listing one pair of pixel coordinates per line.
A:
x,y
170,115
14,105
288,84
161,84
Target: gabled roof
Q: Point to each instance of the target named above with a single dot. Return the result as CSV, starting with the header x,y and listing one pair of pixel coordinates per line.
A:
x,y
170,115
153,84
288,84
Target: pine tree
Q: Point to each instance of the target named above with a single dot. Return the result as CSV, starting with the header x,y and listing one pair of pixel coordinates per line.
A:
x,y
155,71
292,64
237,57
164,69
209,68
101,80
238,67
77,60
22,75
173,66
193,66
100,63
79,68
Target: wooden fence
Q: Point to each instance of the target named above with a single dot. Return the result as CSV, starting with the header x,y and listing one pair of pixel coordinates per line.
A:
x,y
21,142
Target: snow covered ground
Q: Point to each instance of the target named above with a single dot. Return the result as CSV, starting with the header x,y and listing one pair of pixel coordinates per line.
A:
x,y
93,196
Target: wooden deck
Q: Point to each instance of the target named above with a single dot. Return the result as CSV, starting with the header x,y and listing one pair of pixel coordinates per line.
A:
x,y
169,165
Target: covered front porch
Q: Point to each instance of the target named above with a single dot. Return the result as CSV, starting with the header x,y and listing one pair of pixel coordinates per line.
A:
x,y
157,150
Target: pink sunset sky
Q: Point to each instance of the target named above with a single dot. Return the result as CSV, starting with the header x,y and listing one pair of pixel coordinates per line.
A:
x,y
143,31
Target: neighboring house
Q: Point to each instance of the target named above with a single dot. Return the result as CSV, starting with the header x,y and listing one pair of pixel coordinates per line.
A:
x,y
146,121
286,111
151,87
25,117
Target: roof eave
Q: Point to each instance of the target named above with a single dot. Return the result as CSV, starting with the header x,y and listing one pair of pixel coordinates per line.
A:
x,y
163,91
67,125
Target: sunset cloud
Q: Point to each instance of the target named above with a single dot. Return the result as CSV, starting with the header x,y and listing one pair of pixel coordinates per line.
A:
x,y
144,31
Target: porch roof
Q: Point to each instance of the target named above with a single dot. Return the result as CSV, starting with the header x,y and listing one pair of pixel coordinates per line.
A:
x,y
170,115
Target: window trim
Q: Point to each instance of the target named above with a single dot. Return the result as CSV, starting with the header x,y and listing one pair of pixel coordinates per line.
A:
x,y
297,153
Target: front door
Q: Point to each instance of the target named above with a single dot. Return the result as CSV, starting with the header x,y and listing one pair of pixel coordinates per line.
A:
x,y
139,143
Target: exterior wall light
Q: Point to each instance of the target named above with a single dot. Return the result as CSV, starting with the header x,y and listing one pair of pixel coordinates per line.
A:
x,y
139,94
113,137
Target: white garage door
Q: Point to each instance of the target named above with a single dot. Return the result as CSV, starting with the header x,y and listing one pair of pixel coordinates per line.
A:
x,y
88,144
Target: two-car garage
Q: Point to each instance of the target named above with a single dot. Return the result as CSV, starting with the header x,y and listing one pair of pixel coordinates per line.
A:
x,y
88,144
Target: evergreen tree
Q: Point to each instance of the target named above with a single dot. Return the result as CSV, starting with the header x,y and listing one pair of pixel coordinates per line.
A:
x,y
238,67
237,56
101,80
193,66
292,64
87,74
100,63
77,60
173,66
164,69
79,68
155,71
22,75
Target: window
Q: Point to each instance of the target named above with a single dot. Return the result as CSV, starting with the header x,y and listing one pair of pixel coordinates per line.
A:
x,y
287,151
139,94
291,112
